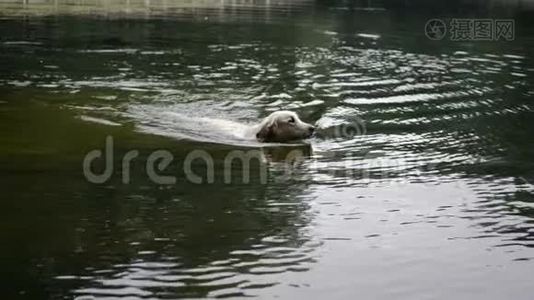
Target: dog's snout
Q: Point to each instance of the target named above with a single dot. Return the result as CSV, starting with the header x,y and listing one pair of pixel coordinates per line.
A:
x,y
311,129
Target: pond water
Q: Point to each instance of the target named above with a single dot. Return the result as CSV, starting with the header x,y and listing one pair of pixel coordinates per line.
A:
x,y
418,183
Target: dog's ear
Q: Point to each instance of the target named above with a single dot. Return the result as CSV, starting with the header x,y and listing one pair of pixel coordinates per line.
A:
x,y
266,132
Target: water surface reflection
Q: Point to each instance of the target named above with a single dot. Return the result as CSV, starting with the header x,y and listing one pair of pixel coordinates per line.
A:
x,y
418,182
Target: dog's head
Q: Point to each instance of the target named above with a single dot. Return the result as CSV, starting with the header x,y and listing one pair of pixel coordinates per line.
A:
x,y
283,126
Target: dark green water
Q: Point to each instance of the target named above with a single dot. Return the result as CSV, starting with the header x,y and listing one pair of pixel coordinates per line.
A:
x,y
418,184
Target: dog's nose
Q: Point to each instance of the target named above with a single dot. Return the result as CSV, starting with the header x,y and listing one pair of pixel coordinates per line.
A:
x,y
311,129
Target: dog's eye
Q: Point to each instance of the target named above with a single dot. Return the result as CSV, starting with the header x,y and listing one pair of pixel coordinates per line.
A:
x,y
292,120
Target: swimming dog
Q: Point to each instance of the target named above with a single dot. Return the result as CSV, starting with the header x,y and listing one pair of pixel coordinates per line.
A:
x,y
281,126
